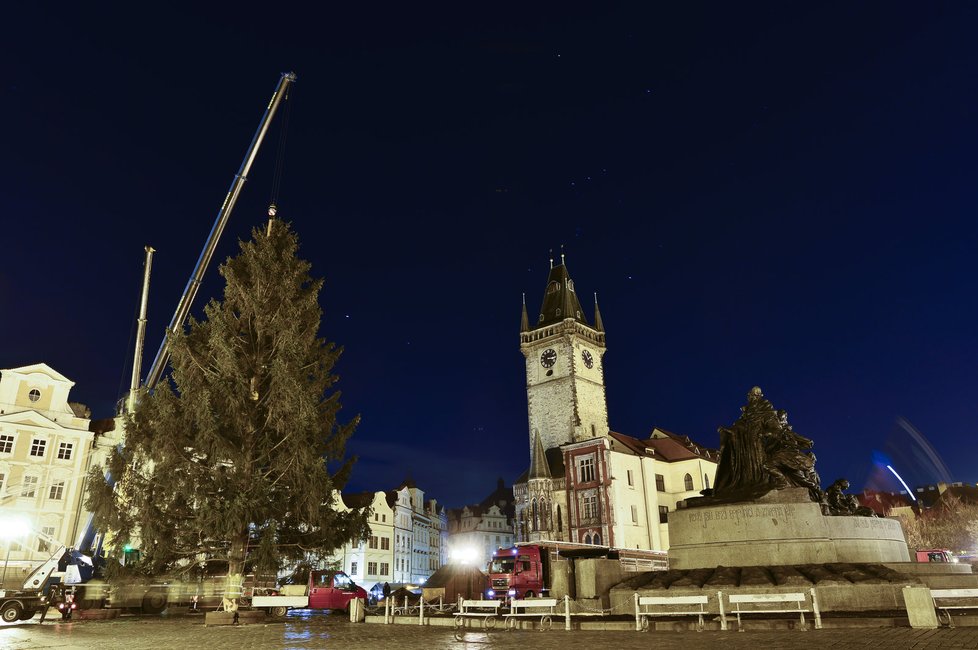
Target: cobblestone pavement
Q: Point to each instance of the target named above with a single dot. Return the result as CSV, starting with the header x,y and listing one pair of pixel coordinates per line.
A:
x,y
303,630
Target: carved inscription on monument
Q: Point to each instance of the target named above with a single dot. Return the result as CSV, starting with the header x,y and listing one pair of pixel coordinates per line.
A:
x,y
736,515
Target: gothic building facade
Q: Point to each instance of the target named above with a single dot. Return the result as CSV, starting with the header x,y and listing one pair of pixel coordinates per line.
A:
x,y
586,483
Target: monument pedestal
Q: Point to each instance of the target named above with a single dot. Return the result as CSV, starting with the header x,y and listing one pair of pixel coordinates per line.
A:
x,y
784,527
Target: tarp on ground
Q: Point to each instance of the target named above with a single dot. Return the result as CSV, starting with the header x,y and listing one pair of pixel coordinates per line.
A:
x,y
454,580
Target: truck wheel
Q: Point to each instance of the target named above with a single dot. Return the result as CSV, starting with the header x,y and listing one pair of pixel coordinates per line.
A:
x,y
529,594
278,612
154,602
10,612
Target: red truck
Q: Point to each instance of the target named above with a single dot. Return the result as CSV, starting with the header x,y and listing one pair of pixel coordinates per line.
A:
x,y
526,570
519,572
323,590
935,555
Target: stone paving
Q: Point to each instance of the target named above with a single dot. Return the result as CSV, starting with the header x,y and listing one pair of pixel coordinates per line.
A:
x,y
303,630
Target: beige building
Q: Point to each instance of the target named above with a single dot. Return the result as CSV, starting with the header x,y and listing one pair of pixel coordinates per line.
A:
x,y
47,446
476,531
587,484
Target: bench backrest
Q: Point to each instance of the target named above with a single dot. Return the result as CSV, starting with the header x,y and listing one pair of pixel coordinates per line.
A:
x,y
673,600
536,602
766,598
481,604
954,593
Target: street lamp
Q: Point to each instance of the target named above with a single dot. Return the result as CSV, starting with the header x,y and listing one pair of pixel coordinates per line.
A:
x,y
10,529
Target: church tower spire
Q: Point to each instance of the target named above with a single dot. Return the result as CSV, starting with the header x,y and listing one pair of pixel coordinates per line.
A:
x,y
598,325
564,368
525,320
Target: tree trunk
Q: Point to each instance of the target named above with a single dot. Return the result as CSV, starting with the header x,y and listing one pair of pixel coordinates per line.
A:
x,y
236,564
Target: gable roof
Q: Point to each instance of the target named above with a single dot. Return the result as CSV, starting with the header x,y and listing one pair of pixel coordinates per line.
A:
x,y
664,445
38,368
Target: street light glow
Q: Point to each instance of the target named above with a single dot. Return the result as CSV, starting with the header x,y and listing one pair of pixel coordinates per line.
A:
x,y
12,527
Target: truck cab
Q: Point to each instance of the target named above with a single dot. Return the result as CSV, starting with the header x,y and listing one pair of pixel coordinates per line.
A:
x,y
332,590
518,573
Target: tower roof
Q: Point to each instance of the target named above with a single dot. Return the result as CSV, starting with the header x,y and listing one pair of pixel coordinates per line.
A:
x,y
538,460
560,299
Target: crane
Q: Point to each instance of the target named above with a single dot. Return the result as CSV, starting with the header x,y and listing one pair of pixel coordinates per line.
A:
x,y
190,292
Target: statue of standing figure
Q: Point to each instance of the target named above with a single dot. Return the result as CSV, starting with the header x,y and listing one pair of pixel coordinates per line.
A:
x,y
760,452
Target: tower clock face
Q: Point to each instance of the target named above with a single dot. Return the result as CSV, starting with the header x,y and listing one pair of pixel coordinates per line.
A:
x,y
548,358
588,359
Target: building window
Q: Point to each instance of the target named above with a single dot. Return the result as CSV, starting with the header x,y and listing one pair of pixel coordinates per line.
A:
x,y
660,482
6,444
560,520
634,514
587,538
585,469
590,506
42,545
353,567
37,447
631,479
597,538
688,482
34,395
385,568
371,568
663,514
28,489
706,481
57,490
64,451
373,541
385,543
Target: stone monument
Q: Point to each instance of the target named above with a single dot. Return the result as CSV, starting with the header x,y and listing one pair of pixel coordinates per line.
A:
x,y
767,506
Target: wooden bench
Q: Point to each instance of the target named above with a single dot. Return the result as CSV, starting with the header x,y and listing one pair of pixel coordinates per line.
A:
x,y
487,610
542,607
784,603
647,606
953,599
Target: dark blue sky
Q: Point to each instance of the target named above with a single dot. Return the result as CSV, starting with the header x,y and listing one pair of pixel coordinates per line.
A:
x,y
778,195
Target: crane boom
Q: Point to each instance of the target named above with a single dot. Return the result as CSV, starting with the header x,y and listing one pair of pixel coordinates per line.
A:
x,y
190,292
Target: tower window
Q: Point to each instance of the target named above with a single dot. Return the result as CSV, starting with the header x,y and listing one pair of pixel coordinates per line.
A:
x,y
660,483
590,506
663,514
585,469
558,311
688,481
34,395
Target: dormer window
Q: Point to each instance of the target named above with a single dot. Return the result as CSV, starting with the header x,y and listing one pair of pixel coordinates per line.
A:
x,y
34,395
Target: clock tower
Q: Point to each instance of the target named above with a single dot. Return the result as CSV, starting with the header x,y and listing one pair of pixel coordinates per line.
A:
x,y
564,371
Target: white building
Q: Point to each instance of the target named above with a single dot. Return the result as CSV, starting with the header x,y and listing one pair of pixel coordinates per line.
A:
x,y
476,531
586,483
408,537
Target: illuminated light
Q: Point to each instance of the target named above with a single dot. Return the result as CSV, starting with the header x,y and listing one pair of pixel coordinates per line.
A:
x,y
491,593
464,555
511,592
13,527
902,482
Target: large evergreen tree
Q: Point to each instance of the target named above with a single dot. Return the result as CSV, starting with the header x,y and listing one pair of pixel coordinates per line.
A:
x,y
227,460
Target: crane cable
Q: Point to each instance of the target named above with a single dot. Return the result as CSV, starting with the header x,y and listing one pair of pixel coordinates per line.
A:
x,y
280,154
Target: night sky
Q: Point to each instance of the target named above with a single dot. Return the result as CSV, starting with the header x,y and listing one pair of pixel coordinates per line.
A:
x,y
780,195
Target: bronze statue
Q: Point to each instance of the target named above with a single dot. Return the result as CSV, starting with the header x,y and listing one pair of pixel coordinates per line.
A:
x,y
760,452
